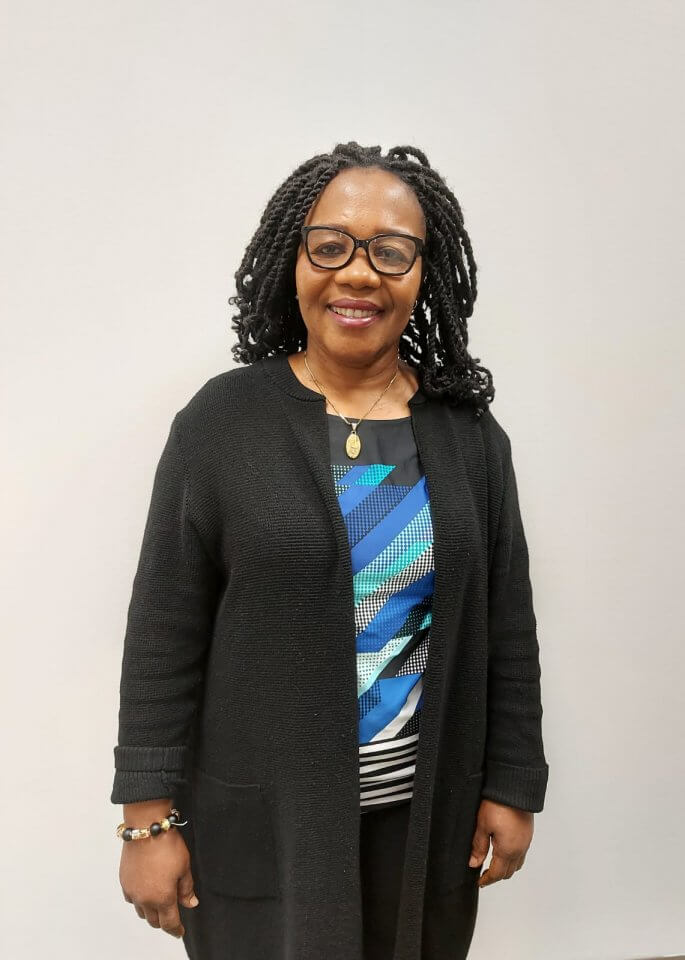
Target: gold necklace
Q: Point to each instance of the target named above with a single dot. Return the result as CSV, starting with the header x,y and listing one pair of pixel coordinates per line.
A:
x,y
353,444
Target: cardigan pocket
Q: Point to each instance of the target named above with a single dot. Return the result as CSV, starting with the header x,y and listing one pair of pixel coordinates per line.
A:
x,y
234,840
457,870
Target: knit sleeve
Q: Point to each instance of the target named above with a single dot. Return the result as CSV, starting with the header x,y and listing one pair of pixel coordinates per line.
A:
x,y
515,766
169,625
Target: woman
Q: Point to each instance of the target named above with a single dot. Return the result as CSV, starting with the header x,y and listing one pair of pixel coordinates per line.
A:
x,y
330,666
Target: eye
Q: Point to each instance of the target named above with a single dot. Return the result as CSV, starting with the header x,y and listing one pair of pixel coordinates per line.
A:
x,y
392,256
328,249
389,253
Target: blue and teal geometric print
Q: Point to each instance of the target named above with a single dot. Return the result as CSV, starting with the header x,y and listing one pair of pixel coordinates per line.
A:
x,y
384,500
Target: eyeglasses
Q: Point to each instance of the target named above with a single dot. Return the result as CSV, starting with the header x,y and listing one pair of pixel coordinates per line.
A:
x,y
390,253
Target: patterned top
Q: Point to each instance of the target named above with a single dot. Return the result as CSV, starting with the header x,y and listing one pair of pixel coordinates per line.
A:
x,y
384,501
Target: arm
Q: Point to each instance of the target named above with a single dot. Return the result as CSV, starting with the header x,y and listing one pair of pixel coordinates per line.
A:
x,y
169,627
515,766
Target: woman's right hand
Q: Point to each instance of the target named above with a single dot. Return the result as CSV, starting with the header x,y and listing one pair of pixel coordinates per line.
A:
x,y
155,873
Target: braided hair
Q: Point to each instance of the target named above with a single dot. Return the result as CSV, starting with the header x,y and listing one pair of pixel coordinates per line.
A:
x,y
435,339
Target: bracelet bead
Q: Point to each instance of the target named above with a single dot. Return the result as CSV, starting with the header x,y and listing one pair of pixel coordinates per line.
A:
x,y
154,830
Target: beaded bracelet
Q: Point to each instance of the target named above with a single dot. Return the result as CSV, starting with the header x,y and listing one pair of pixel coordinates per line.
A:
x,y
140,833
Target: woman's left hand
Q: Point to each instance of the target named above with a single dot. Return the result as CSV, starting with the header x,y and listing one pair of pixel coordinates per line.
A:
x,y
511,830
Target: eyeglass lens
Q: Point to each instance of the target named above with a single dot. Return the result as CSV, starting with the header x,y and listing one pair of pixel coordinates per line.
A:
x,y
392,254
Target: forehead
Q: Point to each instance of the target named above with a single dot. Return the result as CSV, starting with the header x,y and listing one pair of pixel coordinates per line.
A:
x,y
366,202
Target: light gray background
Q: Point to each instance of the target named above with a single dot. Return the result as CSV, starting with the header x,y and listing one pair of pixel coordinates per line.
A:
x,y
141,142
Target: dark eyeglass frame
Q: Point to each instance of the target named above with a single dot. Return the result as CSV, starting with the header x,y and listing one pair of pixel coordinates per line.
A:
x,y
419,246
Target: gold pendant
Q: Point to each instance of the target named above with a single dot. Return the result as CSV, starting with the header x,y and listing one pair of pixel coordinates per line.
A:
x,y
353,444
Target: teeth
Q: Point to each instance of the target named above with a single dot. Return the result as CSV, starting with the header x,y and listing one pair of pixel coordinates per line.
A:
x,y
345,312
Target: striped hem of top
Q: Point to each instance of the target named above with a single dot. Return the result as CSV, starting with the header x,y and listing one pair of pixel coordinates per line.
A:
x,y
386,772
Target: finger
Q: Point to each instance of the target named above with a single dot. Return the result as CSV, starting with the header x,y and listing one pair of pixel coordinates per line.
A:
x,y
140,912
186,892
170,921
510,868
151,915
480,845
496,871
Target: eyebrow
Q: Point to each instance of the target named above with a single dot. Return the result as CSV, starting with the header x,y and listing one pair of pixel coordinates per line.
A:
x,y
340,226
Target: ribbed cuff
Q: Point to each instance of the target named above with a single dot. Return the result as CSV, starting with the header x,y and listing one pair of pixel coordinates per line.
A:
x,y
147,773
522,787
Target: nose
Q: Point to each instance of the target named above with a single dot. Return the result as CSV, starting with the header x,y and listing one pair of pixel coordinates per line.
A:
x,y
358,273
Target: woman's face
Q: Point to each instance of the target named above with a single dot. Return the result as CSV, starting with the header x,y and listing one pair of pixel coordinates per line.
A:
x,y
364,202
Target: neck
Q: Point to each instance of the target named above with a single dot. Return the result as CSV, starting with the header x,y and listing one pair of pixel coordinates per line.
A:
x,y
354,380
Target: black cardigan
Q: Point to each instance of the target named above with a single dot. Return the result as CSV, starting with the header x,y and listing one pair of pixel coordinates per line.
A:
x,y
239,630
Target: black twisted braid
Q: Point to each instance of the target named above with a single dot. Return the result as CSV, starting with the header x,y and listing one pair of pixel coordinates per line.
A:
x,y
435,339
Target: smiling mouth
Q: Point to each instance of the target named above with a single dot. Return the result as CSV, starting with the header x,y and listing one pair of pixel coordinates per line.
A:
x,y
354,314
353,318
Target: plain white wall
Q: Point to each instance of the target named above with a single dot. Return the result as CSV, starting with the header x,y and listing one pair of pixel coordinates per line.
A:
x,y
141,142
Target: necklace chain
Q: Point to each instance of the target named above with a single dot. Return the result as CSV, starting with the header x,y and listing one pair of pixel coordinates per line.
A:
x,y
353,445
348,422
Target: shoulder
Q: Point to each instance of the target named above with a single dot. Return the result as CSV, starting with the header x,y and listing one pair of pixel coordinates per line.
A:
x,y
485,449
495,436
485,431
231,385
220,394
216,406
